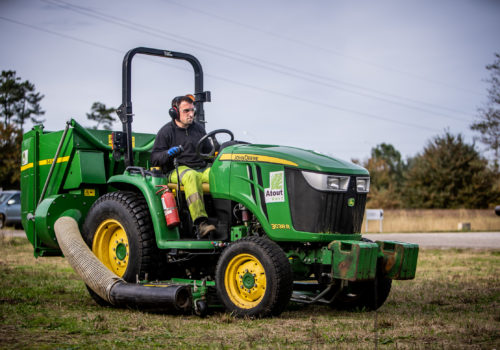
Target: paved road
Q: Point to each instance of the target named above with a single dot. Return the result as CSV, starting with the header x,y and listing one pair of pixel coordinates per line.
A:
x,y
8,232
477,240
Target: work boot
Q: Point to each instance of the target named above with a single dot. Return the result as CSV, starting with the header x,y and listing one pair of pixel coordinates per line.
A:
x,y
204,229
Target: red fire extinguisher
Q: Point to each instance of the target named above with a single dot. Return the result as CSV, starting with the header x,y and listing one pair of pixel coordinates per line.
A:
x,y
169,207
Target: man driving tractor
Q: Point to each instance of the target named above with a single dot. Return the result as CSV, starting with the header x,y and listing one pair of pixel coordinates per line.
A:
x,y
178,139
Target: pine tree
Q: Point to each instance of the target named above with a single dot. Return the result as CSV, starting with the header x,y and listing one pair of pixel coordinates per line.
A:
x,y
449,174
102,115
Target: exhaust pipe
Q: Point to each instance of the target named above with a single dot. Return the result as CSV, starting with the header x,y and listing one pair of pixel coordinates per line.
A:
x,y
109,286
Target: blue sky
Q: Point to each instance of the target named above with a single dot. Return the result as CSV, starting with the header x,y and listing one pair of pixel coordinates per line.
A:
x,y
338,77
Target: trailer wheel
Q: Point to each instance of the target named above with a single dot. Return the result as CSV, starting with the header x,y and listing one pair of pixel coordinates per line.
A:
x,y
254,278
119,232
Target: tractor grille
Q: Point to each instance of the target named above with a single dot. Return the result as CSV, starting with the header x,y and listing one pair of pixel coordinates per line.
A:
x,y
323,212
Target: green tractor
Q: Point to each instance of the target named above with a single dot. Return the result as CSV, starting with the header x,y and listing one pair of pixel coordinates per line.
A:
x,y
288,221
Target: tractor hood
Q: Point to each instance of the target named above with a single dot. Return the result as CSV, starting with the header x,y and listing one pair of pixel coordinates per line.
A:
x,y
292,157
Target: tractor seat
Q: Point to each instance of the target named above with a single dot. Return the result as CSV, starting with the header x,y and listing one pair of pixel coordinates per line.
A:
x,y
173,186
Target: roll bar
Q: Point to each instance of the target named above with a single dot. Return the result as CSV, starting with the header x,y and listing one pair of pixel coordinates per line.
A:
x,y
125,110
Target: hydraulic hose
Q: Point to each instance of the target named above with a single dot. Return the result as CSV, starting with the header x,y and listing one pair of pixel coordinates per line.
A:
x,y
106,284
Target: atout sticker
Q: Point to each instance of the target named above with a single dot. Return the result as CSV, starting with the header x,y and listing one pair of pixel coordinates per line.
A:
x,y
276,192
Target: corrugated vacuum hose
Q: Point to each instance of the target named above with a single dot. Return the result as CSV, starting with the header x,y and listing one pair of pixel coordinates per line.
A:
x,y
109,286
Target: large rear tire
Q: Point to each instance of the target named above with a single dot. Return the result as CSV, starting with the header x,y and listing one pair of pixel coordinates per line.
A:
x,y
254,278
119,232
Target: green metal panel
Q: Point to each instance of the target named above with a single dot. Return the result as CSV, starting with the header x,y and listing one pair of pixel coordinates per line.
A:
x,y
400,259
147,187
302,258
301,270
86,167
310,256
47,147
53,207
238,232
92,139
354,260
294,157
29,182
220,174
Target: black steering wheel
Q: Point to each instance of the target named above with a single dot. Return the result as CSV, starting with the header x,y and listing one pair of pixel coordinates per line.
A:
x,y
213,142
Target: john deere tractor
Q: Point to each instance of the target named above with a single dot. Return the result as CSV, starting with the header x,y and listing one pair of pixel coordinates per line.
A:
x,y
288,220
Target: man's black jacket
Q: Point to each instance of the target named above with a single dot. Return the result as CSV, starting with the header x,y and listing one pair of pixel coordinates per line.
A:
x,y
171,135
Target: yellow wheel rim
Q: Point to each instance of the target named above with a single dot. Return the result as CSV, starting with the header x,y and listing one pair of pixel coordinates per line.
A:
x,y
111,246
245,281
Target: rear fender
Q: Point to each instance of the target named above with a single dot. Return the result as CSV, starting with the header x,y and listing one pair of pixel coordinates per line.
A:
x,y
145,184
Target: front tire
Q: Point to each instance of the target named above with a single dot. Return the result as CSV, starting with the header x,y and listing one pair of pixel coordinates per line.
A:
x,y
119,232
254,278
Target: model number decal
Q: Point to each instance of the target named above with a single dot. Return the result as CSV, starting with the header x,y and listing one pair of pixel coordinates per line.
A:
x,y
280,226
89,192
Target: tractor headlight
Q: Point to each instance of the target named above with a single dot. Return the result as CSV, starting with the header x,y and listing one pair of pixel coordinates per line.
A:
x,y
363,184
326,182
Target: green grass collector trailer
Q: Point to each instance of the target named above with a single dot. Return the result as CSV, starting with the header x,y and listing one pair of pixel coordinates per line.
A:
x,y
288,221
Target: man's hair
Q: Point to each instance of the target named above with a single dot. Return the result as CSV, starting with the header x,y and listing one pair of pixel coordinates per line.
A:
x,y
177,100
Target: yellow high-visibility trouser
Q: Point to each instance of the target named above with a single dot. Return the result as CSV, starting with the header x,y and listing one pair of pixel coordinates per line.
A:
x,y
192,181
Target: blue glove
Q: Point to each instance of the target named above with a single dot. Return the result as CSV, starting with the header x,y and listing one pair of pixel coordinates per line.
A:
x,y
174,151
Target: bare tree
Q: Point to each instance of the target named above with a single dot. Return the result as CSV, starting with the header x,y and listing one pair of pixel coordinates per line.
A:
x,y
488,124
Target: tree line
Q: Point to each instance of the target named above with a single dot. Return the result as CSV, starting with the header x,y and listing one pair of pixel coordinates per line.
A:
x,y
448,173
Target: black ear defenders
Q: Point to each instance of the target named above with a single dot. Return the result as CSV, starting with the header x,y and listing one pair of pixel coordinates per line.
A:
x,y
174,110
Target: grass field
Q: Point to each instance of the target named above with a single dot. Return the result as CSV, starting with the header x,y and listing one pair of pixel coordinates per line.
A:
x,y
434,220
453,303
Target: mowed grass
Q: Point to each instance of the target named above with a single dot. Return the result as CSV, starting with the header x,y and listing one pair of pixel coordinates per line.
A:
x,y
434,220
453,303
